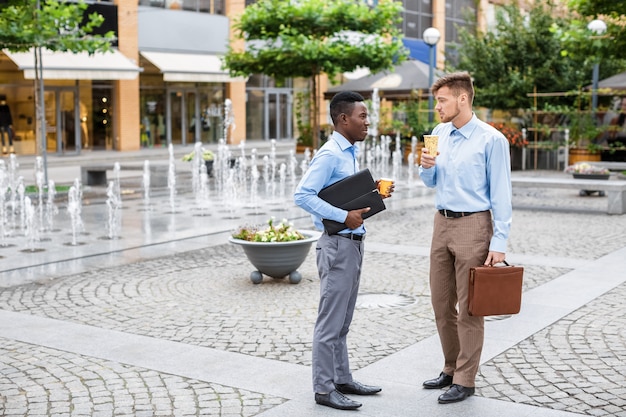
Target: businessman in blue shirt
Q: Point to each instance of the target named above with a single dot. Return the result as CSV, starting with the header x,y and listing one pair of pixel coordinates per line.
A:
x,y
472,177
339,256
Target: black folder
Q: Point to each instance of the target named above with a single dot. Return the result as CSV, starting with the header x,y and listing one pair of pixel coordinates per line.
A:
x,y
351,193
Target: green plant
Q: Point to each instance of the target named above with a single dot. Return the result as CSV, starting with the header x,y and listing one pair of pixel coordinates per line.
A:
x,y
283,232
302,110
31,189
207,155
584,131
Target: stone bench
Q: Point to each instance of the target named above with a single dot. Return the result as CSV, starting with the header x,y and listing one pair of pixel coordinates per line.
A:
x,y
97,174
610,165
615,189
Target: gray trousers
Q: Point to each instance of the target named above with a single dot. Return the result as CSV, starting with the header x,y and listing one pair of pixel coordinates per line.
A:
x,y
339,262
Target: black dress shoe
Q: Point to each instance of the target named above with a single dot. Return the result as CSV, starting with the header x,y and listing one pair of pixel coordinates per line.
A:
x,y
337,400
357,388
455,394
442,381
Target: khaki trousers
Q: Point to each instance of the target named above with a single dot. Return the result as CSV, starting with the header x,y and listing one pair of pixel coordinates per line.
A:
x,y
457,245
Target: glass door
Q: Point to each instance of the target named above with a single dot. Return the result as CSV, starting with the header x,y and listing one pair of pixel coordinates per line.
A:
x,y
193,119
62,120
175,116
100,124
278,114
182,107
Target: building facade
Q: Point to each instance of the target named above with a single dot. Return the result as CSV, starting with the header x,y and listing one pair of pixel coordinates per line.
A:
x,y
164,82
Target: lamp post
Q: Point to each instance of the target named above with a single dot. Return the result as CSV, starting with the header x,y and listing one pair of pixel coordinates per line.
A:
x,y
431,36
597,27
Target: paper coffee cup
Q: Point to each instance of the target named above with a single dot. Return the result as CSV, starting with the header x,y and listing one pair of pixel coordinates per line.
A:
x,y
431,142
384,187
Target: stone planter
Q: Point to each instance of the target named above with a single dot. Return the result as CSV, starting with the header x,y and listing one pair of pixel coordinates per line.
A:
x,y
277,259
577,155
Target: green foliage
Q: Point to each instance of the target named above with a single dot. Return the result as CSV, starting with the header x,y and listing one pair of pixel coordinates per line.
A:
x,y
306,38
302,106
309,37
521,53
56,25
283,232
613,13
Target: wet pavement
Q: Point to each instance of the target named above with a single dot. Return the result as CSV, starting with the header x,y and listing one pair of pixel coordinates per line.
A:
x,y
164,320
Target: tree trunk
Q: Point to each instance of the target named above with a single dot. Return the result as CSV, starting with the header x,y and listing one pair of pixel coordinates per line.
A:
x,y
315,123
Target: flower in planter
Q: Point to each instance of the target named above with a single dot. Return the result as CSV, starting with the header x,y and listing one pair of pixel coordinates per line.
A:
x,y
587,169
207,155
282,232
513,135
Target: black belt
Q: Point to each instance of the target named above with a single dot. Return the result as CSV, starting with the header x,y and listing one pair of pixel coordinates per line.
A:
x,y
351,236
456,214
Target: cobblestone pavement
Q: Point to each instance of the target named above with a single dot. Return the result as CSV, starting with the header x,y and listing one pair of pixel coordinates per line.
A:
x,y
203,297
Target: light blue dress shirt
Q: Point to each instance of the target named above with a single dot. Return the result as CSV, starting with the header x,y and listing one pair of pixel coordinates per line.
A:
x,y
332,162
473,173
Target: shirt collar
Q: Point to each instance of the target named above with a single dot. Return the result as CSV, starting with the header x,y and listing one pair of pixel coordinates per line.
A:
x,y
466,130
344,143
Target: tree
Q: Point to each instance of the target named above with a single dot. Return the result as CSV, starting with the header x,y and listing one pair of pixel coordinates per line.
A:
x,y
54,25
519,54
544,49
307,38
614,15
608,48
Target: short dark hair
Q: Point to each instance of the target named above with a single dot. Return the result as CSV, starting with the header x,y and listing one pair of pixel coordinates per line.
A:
x,y
343,103
457,82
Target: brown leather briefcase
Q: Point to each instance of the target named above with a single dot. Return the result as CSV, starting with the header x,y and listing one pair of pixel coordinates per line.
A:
x,y
495,290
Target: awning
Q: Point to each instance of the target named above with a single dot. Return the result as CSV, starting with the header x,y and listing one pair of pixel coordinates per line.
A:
x,y
617,82
400,83
76,66
190,67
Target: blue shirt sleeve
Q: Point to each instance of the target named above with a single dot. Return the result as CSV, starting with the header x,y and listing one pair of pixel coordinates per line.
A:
x,y
331,163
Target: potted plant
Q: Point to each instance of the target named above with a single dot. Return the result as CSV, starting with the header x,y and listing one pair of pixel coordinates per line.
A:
x,y
207,156
277,250
585,170
583,135
517,142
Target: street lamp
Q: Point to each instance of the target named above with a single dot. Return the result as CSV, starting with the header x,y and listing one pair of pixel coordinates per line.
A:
x,y
597,27
431,36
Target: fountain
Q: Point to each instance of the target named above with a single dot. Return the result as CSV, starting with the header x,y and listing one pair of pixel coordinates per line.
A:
x,y
74,210
145,184
245,185
171,178
4,187
39,181
51,208
114,205
13,186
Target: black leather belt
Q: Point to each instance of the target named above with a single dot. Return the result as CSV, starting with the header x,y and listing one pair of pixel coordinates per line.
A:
x,y
351,236
456,214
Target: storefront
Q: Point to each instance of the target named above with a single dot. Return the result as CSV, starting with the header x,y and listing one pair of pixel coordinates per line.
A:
x,y
182,99
78,97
